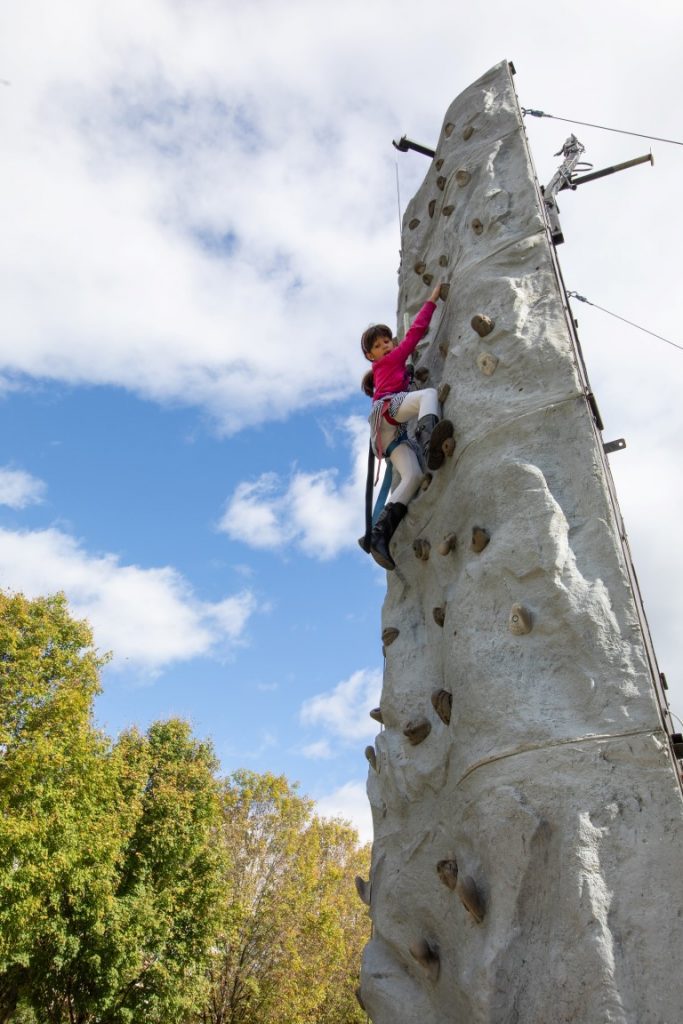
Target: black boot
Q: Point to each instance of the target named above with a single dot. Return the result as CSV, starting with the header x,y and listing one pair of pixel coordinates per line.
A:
x,y
431,433
383,531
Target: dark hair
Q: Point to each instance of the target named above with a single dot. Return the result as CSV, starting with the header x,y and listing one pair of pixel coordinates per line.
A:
x,y
368,383
371,334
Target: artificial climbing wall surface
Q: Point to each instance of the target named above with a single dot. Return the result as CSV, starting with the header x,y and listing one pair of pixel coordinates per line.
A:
x,y
528,820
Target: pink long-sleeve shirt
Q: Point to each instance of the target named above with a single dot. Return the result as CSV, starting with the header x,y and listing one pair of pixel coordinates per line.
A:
x,y
389,372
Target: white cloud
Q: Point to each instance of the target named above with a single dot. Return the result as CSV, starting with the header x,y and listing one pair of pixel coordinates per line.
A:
x,y
320,750
203,212
319,513
19,489
343,712
351,803
149,617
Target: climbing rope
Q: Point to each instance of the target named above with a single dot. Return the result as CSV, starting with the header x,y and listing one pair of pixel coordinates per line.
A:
x,y
582,298
604,128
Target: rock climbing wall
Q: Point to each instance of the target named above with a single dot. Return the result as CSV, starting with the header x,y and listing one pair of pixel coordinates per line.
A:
x,y
527,861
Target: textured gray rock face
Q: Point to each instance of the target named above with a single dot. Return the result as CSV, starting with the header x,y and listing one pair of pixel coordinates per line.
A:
x,y
545,782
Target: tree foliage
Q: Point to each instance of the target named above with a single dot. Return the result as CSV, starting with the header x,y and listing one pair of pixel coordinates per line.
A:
x,y
136,885
294,928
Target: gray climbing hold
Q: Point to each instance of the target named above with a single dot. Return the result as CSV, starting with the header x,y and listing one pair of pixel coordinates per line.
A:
x,y
441,182
468,132
444,290
439,163
417,731
443,348
482,324
520,620
421,548
448,129
427,955
443,391
376,714
364,889
480,538
389,634
431,207
448,210
447,871
427,278
487,363
448,544
439,615
442,702
463,177
420,267
477,226
422,375
470,897
413,223
443,260
371,756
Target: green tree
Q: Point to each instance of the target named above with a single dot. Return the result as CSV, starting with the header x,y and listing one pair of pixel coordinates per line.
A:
x,y
56,799
109,869
294,928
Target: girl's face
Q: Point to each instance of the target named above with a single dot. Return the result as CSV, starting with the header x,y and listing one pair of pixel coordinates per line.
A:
x,y
379,348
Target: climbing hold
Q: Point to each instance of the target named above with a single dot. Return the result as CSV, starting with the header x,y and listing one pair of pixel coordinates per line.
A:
x,y
421,548
477,226
443,348
426,481
487,363
471,898
389,634
441,182
448,446
444,290
363,889
376,714
360,999
443,391
448,128
520,620
427,278
422,375
439,163
420,267
468,132
371,756
482,324
448,544
439,615
442,702
480,538
447,210
443,260
413,223
463,177
431,207
427,955
417,731
447,871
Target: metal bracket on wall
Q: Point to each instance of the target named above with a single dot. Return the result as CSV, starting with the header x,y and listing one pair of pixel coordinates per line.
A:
x,y
614,446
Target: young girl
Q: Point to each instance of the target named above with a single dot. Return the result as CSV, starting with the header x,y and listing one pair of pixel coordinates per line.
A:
x,y
392,406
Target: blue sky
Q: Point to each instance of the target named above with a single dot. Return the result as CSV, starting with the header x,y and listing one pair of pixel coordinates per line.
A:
x,y
199,218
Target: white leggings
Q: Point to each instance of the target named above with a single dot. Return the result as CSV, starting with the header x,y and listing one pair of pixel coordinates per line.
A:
x,y
403,458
